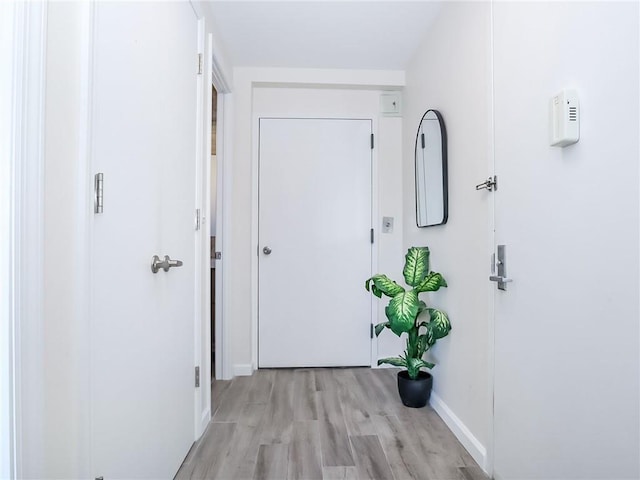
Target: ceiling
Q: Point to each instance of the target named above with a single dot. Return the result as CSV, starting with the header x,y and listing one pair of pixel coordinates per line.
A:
x,y
323,34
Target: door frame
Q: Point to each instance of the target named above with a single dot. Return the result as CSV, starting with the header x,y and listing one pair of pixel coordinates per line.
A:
x,y
255,217
219,80
214,74
25,262
492,290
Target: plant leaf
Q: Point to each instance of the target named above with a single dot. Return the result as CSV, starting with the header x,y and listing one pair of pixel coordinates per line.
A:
x,y
425,342
372,288
402,311
431,283
439,324
426,364
395,361
385,285
416,265
415,364
421,307
379,327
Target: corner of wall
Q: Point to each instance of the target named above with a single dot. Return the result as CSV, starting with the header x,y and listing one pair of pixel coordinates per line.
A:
x,y
243,370
468,440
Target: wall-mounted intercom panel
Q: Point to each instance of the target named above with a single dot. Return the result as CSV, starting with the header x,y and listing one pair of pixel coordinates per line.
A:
x,y
565,118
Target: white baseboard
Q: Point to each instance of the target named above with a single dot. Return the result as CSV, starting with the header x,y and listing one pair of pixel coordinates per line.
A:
x,y
204,419
242,370
460,430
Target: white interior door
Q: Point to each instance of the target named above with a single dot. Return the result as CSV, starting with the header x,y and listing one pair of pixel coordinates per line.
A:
x,y
315,243
142,352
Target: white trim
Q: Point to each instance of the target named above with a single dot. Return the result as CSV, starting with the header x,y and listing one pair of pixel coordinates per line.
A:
x,y
7,240
85,217
200,246
243,370
205,418
28,212
491,290
224,154
218,77
255,234
460,430
375,247
325,78
220,346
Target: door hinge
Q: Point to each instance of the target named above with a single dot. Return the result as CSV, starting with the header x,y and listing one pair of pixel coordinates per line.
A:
x,y
371,330
372,141
217,255
199,64
197,219
98,205
372,235
197,377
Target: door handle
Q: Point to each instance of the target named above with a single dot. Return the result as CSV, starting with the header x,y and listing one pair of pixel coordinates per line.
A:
x,y
266,251
501,275
165,264
499,279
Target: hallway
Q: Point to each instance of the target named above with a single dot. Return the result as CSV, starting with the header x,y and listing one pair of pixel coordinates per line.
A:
x,y
343,423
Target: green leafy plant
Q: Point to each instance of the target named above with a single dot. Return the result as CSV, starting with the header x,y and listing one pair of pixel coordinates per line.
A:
x,y
405,310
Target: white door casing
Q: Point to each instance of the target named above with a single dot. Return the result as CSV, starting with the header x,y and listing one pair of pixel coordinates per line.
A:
x,y
142,330
315,217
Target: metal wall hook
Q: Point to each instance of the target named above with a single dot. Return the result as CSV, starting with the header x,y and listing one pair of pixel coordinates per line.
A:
x,y
490,184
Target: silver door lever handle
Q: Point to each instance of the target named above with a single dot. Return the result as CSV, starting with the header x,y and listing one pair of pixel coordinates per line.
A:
x,y
165,264
496,278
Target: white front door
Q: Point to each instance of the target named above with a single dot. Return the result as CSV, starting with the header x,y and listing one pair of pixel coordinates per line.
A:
x,y
566,328
315,242
142,323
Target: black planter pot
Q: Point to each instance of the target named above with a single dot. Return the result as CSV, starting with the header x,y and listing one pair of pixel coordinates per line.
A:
x,y
414,393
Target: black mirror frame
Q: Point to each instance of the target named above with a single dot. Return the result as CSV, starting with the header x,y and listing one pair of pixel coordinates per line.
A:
x,y
445,175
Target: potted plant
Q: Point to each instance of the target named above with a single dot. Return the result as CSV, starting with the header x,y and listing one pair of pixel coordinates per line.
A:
x,y
406,313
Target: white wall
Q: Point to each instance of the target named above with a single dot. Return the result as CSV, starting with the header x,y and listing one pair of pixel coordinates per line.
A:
x,y
341,93
569,326
54,396
7,235
450,73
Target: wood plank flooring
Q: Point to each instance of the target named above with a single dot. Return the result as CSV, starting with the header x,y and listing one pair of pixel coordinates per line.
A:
x,y
323,424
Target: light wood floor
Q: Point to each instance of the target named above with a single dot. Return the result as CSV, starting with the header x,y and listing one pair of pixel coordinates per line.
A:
x,y
343,423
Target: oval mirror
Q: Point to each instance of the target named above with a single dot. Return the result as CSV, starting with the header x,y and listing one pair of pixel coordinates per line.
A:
x,y
431,171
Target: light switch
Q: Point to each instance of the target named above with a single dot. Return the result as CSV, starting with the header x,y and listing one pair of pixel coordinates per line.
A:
x,y
387,224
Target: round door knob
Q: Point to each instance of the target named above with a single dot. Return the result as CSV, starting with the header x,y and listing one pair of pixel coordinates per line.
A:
x,y
266,250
